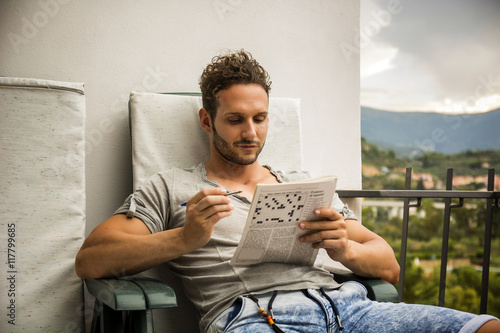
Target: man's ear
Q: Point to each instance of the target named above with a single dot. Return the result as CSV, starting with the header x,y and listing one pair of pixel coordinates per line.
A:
x,y
205,120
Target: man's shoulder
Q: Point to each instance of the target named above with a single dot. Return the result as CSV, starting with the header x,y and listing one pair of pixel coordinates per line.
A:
x,y
288,176
176,174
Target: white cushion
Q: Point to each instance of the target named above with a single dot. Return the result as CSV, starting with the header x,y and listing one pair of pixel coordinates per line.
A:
x,y
42,195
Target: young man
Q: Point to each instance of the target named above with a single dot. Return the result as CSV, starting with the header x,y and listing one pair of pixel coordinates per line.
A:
x,y
198,240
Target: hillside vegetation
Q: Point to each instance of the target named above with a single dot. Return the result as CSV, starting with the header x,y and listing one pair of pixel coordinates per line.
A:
x,y
384,169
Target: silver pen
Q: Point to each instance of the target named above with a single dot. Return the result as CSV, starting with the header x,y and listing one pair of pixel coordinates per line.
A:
x,y
227,194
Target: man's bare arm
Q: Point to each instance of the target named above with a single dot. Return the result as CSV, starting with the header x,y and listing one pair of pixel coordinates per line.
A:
x,y
370,255
125,246
353,245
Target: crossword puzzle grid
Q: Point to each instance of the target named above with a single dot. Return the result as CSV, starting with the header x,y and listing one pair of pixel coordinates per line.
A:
x,y
279,208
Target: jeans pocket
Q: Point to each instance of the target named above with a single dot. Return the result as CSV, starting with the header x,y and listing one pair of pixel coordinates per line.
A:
x,y
237,309
228,317
355,288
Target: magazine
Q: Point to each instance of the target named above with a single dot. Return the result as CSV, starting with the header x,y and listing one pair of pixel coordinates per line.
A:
x,y
272,232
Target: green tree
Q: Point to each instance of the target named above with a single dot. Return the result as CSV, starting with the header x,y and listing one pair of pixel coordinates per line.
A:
x,y
493,292
420,288
462,298
428,223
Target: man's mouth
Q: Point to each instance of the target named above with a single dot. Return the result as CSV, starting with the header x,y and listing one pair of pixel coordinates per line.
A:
x,y
247,145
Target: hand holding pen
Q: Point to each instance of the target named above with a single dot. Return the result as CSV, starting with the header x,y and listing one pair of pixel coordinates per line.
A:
x,y
203,211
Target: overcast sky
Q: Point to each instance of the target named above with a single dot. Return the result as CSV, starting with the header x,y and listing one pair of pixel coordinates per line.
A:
x,y
430,55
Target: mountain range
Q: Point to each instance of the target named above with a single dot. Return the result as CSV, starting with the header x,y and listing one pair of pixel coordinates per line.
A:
x,y
413,133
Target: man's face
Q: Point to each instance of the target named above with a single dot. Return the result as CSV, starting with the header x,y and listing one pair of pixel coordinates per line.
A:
x,y
240,125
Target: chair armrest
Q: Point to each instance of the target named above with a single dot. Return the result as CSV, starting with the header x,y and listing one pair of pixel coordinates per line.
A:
x,y
118,294
132,293
378,289
158,294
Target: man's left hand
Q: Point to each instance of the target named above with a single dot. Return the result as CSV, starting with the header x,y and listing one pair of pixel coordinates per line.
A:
x,y
329,233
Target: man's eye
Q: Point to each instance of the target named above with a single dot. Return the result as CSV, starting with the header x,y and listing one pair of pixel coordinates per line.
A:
x,y
234,121
259,119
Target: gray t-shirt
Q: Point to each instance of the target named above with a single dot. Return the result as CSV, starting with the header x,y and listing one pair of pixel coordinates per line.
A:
x,y
210,282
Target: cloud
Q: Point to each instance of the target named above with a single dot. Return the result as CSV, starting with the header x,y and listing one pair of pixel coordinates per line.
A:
x,y
377,58
449,42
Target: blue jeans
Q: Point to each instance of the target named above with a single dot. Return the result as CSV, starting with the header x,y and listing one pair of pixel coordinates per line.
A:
x,y
296,311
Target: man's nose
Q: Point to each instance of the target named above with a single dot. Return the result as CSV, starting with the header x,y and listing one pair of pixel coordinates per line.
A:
x,y
249,130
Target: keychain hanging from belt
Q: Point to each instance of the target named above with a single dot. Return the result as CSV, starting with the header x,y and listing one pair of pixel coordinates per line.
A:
x,y
268,316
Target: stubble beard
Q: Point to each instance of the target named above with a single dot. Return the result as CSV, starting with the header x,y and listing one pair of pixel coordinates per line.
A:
x,y
229,153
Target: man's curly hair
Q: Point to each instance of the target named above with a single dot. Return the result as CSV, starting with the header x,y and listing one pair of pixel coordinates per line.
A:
x,y
227,70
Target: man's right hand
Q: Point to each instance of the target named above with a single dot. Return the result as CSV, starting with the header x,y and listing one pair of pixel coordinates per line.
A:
x,y
124,246
203,211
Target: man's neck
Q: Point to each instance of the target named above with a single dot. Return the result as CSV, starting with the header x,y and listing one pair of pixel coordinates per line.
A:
x,y
243,174
239,177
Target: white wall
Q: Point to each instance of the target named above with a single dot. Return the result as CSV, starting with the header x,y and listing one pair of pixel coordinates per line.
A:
x,y
116,46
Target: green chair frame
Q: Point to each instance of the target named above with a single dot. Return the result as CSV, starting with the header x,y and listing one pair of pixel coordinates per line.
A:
x,y
127,304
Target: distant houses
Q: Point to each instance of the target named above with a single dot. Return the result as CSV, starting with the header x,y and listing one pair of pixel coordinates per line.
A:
x,y
428,182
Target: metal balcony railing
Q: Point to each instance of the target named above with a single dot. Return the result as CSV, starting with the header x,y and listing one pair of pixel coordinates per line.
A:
x,y
491,198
